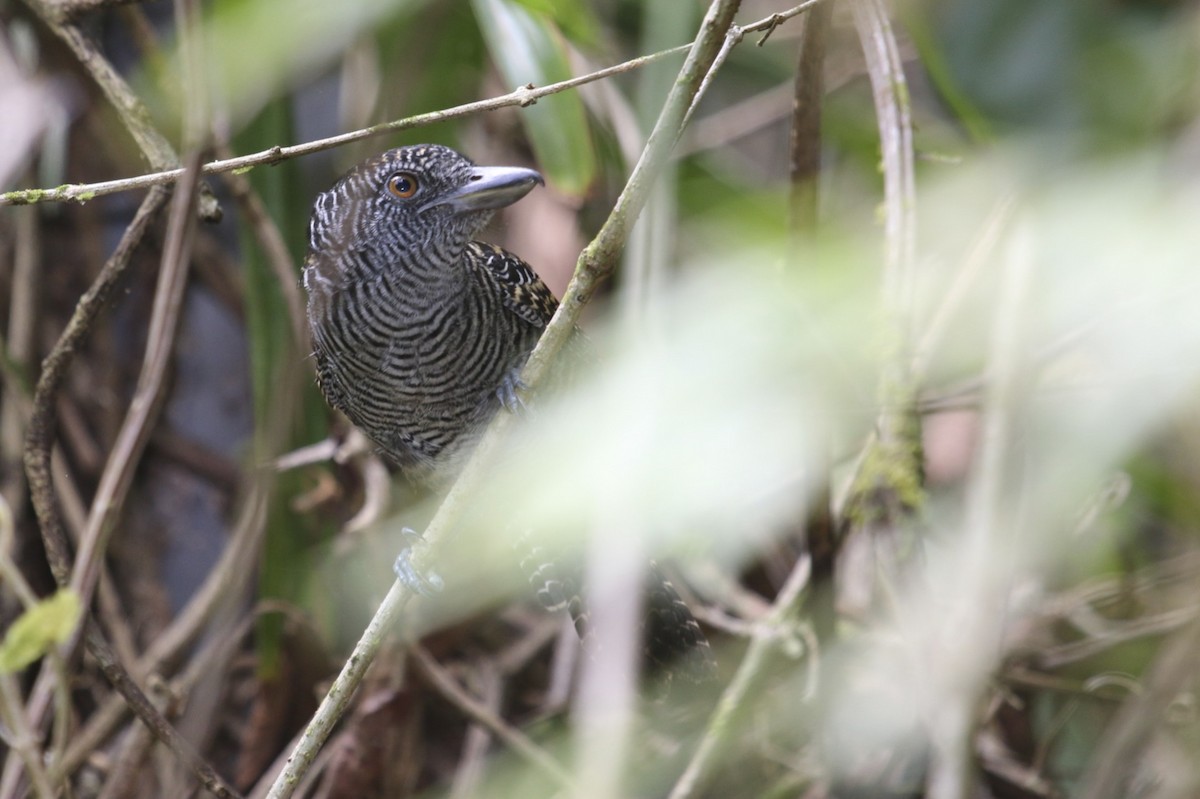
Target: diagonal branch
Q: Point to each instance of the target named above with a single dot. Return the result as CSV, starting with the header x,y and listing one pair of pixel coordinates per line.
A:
x,y
595,263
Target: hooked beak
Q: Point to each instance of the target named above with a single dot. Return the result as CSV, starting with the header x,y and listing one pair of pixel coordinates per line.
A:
x,y
489,188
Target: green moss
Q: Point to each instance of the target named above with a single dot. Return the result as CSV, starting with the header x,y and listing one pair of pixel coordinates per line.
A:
x,y
241,170
891,478
24,196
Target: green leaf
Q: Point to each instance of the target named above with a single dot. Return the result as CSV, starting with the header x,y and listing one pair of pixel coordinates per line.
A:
x,y
41,627
527,48
576,20
255,50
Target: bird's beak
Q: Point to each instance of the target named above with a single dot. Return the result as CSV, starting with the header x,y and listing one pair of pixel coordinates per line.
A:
x,y
489,188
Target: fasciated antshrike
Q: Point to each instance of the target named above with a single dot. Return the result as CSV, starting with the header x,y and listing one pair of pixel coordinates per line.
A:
x,y
419,332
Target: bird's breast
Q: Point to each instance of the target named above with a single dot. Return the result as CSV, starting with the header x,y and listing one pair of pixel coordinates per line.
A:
x,y
416,371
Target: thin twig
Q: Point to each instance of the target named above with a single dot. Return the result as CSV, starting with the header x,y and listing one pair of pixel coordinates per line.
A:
x,y
523,96
148,396
40,436
74,8
18,735
475,710
151,717
19,738
18,352
42,420
890,91
804,168
993,510
118,474
477,742
886,486
892,107
763,643
804,148
1113,767
275,248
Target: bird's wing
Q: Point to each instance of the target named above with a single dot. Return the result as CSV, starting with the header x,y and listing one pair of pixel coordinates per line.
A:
x,y
519,287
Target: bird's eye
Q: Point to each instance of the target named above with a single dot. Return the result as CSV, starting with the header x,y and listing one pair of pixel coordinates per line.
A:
x,y
402,185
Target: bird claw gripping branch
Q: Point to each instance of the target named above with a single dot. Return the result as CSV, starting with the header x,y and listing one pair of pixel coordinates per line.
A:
x,y
420,331
408,574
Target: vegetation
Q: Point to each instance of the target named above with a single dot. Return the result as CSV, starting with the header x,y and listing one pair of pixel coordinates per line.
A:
x,y
894,317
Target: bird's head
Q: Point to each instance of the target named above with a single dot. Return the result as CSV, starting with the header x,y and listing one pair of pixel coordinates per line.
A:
x,y
421,200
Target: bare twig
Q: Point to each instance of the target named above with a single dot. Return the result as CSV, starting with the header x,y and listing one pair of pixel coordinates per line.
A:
x,y
39,441
134,115
18,350
18,735
993,508
523,96
763,643
1113,767
42,421
74,8
278,257
890,90
804,167
117,477
20,738
808,94
475,710
887,483
118,472
151,717
130,443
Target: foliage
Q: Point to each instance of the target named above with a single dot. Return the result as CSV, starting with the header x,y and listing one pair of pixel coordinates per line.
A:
x,y
983,380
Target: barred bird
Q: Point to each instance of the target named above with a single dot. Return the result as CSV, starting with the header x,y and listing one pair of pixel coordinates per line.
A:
x,y
420,332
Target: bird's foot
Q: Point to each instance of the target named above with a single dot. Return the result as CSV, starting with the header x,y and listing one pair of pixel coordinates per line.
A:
x,y
408,574
509,392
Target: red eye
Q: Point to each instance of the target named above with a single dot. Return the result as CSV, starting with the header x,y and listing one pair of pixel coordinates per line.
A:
x,y
402,185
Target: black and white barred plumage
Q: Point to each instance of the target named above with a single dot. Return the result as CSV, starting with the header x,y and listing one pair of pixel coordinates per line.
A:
x,y
416,326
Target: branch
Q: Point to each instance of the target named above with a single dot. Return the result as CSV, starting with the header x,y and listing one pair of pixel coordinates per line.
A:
x,y
595,263
118,473
43,419
766,637
887,484
475,710
523,96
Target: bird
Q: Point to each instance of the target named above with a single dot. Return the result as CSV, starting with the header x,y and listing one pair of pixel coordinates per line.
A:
x,y
420,331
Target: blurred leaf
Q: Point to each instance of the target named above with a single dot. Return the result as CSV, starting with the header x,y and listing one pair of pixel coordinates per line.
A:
x,y
37,630
257,48
528,49
933,59
440,55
